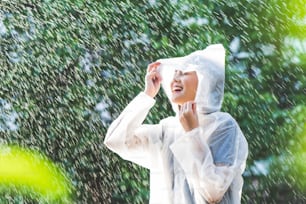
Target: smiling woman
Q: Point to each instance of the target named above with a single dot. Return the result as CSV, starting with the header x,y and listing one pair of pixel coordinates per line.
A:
x,y
199,155
184,86
68,67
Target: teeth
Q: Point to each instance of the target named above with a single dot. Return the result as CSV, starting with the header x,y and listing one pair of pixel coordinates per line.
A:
x,y
177,88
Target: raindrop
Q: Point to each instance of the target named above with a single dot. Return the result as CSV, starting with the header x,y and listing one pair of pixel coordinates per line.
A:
x,y
8,116
235,45
3,29
14,57
243,55
90,83
268,49
15,34
104,113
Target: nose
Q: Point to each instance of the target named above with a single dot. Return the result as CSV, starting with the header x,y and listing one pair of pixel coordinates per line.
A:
x,y
177,75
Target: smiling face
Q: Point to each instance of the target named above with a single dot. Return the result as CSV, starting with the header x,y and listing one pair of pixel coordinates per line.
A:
x,y
184,87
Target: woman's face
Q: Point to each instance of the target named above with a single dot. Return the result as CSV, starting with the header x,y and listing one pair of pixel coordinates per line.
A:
x,y
184,87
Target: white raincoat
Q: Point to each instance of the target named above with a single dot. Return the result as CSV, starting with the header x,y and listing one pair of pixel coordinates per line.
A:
x,y
204,165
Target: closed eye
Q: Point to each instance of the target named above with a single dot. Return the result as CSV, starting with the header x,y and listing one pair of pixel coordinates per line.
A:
x,y
187,73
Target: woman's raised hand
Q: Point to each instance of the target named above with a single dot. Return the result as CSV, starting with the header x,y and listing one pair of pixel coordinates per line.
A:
x,y
153,79
188,116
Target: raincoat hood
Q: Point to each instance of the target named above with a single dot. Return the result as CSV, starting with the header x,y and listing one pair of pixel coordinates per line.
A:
x,y
209,65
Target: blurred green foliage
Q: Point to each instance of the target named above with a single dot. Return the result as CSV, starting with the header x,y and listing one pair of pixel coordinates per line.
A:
x,y
30,173
68,67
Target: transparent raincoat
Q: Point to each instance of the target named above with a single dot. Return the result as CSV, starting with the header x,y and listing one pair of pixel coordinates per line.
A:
x,y
204,165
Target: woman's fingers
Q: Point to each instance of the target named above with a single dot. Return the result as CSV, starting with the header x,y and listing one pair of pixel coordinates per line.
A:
x,y
152,66
188,107
188,115
153,79
155,76
152,69
194,107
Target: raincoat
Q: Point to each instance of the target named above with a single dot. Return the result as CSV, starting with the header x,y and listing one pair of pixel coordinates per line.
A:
x,y
204,165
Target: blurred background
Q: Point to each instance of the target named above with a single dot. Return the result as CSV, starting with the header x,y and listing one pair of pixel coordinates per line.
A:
x,y
69,67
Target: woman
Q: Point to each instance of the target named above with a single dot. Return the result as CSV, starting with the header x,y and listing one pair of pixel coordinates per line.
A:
x,y
197,156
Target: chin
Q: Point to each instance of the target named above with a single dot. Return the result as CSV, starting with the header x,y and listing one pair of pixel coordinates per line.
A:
x,y
176,101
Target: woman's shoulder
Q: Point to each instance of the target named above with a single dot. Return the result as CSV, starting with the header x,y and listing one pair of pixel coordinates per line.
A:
x,y
220,118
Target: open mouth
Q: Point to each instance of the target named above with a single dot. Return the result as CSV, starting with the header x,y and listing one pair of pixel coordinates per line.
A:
x,y
177,89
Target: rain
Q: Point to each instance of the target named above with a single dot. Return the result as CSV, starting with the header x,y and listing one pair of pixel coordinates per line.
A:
x,y
68,68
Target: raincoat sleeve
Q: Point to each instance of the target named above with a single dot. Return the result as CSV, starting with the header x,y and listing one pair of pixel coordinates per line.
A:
x,y
128,137
209,167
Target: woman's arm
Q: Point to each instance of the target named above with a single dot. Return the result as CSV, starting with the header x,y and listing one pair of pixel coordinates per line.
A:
x,y
126,135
